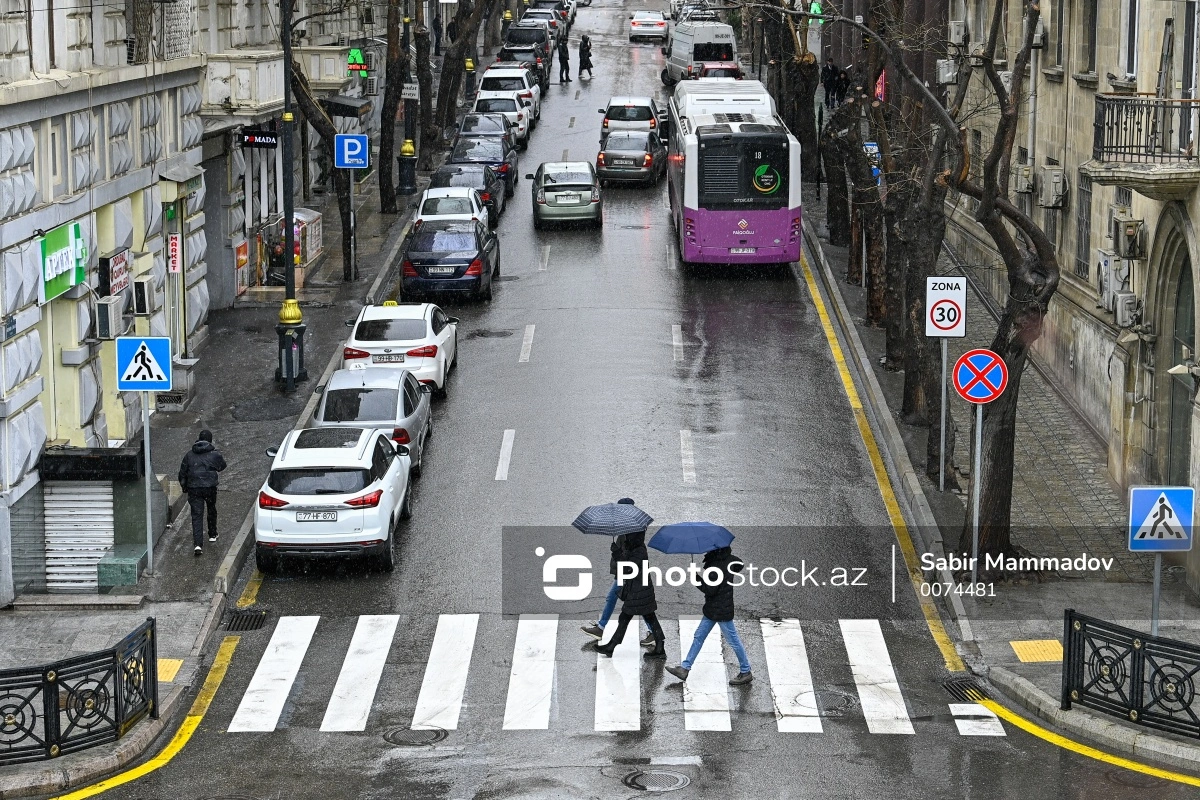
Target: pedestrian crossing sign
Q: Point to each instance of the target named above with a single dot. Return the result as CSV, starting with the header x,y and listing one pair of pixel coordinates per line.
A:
x,y
143,364
1160,518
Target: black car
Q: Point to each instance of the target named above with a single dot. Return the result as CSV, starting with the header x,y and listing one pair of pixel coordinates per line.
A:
x,y
476,124
493,151
531,33
450,256
529,57
481,177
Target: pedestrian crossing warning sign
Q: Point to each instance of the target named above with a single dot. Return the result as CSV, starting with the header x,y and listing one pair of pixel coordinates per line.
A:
x,y
143,364
1160,518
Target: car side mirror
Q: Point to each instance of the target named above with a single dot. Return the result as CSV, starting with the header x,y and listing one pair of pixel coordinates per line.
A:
x,y
401,450
272,452
602,111
529,176
349,323
452,320
426,388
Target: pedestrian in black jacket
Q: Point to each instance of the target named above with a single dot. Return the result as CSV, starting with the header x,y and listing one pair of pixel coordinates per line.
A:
x,y
829,79
198,477
437,34
596,629
637,595
585,56
564,58
718,611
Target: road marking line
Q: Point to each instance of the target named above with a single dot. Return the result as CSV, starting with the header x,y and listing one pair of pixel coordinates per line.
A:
x,y
526,345
670,255
687,457
618,684
706,691
792,688
195,715
932,619
250,593
531,680
577,93
878,690
445,683
972,719
272,682
564,158
544,262
354,692
571,123
505,455
677,341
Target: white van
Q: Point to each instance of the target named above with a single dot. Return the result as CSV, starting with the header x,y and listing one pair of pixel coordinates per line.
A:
x,y
693,42
693,98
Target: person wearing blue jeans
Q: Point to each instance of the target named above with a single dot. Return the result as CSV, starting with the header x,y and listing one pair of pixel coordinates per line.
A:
x,y
596,629
718,611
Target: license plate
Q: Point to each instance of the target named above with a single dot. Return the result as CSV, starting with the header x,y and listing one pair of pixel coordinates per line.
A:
x,y
742,251
440,270
568,198
623,162
393,358
316,516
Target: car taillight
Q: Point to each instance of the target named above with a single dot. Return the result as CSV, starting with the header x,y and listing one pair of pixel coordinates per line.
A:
x,y
476,268
408,270
369,500
400,436
600,159
564,14
425,351
541,196
267,501
795,223
527,95
485,196
595,195
352,352
647,160
653,123
659,24
605,125
503,168
539,61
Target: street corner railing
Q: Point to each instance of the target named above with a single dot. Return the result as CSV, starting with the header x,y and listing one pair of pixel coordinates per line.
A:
x,y
1145,129
79,702
1148,680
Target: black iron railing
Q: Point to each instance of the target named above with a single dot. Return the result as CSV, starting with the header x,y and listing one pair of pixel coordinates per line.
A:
x,y
1144,679
1141,129
79,702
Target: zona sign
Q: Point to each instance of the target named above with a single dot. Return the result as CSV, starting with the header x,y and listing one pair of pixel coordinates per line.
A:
x,y
980,376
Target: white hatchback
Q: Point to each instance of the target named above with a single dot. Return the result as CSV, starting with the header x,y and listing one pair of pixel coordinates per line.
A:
x,y
332,492
420,337
516,109
456,202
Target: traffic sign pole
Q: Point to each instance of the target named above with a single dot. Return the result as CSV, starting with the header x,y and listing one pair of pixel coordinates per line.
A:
x,y
942,446
945,317
149,476
975,480
1161,520
1157,591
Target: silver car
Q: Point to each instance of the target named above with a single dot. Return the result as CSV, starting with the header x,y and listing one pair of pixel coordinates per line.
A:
x,y
566,191
630,114
632,156
384,398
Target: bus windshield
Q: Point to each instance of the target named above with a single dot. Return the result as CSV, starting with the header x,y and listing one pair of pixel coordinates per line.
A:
x,y
743,171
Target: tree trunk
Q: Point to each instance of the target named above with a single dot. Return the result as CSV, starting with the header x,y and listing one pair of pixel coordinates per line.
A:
x,y
837,199
854,264
395,71
803,78
926,226
467,21
899,196
427,131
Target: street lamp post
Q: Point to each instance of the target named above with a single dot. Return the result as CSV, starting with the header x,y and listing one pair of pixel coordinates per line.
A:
x,y
408,150
291,326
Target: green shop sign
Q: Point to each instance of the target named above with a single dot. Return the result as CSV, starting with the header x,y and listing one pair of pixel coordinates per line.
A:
x,y
64,260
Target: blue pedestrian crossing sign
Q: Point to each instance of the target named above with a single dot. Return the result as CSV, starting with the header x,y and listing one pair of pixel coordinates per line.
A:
x,y
350,151
143,364
1160,518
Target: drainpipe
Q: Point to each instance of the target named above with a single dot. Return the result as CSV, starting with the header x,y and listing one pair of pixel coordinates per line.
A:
x,y
1031,145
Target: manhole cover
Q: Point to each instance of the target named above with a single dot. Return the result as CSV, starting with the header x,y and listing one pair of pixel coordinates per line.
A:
x,y
404,737
1133,780
504,278
965,690
486,334
245,620
656,780
835,702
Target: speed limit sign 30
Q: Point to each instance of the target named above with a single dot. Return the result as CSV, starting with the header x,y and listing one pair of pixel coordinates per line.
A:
x,y
946,307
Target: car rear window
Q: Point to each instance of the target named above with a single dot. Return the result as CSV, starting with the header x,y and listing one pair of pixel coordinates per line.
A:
x,y
556,178
496,104
712,51
363,403
501,84
325,438
478,150
526,36
655,15
318,480
480,125
629,113
390,330
720,72
442,241
626,141
446,205
472,180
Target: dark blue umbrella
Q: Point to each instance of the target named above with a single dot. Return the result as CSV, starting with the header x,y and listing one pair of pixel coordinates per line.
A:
x,y
691,537
612,519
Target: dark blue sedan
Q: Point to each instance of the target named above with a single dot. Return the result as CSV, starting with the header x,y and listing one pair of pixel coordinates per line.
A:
x,y
450,257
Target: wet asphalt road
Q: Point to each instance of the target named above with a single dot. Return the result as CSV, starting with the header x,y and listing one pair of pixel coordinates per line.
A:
x,y
597,412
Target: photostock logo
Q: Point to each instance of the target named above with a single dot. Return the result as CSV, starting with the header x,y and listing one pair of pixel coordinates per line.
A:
x,y
565,561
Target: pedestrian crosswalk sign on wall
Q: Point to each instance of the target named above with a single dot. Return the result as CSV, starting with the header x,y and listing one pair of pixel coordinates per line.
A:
x,y
143,364
1160,518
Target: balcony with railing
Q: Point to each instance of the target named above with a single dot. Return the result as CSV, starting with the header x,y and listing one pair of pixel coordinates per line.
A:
x,y
243,83
1147,143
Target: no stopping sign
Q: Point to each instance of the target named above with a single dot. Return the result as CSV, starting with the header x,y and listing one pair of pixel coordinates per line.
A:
x,y
946,307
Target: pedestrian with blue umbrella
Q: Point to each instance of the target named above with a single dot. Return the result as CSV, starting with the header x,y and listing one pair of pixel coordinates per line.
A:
x,y
616,520
720,565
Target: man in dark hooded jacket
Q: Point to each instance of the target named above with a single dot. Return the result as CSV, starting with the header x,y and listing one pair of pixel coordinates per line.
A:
x,y
718,611
637,595
198,477
596,629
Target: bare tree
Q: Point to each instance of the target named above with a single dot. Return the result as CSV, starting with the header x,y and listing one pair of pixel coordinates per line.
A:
x,y
396,71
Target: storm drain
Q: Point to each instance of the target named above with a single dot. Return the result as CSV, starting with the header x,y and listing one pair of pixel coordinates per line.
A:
x,y
405,737
245,619
486,334
656,780
965,690
1133,780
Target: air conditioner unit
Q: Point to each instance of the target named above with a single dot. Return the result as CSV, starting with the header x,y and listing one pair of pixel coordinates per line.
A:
x,y
145,299
947,71
1022,179
1052,184
1125,308
343,40
1005,80
369,60
1112,276
372,88
110,316
1129,237
957,32
1039,33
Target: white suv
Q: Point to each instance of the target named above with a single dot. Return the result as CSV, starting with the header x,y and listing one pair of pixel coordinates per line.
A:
x,y
332,492
518,79
418,337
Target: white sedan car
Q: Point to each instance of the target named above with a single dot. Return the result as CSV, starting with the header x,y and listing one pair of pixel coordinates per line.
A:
x,y
419,337
516,109
332,492
458,202
648,25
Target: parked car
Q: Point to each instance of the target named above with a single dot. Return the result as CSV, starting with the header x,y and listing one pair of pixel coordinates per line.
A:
x,y
715,69
630,114
450,257
564,9
384,398
419,336
487,181
494,152
484,124
566,191
530,56
512,106
648,25
332,492
454,203
514,79
532,32
558,25
632,156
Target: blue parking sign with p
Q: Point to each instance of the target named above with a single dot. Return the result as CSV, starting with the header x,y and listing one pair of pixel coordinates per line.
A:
x,y
351,151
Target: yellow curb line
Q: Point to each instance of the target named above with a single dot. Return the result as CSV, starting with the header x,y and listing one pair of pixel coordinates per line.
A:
x,y
195,715
932,619
250,593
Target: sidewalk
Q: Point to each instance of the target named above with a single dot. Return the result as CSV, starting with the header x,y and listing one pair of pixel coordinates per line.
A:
x,y
1064,504
237,399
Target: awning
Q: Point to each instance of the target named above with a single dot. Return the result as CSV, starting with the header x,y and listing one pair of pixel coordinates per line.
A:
x,y
180,173
341,105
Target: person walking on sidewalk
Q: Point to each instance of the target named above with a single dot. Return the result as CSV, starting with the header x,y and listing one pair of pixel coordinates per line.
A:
x,y
829,77
198,477
564,59
451,31
596,629
585,57
718,611
637,595
437,33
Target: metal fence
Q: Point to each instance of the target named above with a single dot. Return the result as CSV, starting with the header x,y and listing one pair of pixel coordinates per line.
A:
x,y
79,702
1148,680
1138,129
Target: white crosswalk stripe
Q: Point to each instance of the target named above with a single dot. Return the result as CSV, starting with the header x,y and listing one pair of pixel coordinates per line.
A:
x,y
619,684
706,693
531,680
792,688
878,690
973,719
441,697
354,693
272,682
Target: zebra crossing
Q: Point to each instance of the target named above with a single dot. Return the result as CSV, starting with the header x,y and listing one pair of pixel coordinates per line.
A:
x,y
535,661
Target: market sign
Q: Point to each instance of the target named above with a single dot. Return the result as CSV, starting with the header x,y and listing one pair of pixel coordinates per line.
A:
x,y
114,272
64,260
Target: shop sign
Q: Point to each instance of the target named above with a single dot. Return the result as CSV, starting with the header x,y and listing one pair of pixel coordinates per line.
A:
x,y
241,254
114,272
174,252
64,260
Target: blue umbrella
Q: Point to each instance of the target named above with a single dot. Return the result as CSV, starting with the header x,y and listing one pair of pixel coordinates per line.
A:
x,y
691,537
612,519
